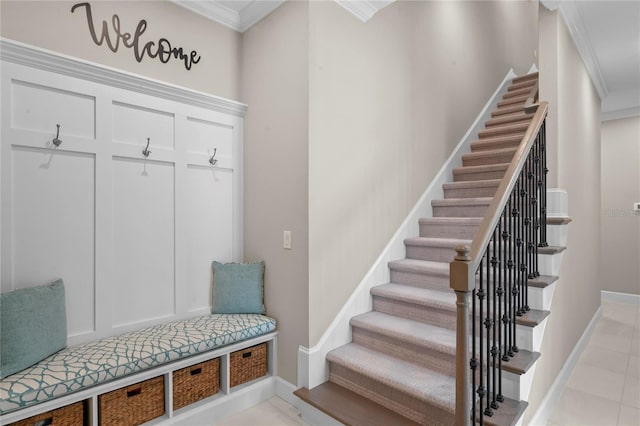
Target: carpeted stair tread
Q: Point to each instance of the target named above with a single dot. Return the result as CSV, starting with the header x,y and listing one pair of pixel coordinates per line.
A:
x,y
517,86
522,361
510,109
471,188
527,77
505,129
551,249
558,220
476,201
517,92
409,331
350,408
490,156
516,117
532,318
484,172
444,300
421,383
461,207
424,267
520,100
497,142
449,227
542,281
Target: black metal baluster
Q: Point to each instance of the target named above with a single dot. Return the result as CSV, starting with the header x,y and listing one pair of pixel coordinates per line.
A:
x,y
495,323
537,164
515,196
474,361
506,318
522,268
488,325
481,389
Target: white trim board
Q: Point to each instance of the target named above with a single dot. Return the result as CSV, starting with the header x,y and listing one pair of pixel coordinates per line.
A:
x,y
312,366
541,417
46,60
612,296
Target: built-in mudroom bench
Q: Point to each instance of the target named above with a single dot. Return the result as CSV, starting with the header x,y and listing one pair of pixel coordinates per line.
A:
x,y
126,190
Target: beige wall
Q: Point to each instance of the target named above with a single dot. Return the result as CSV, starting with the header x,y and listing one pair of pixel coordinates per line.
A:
x,y
51,25
620,189
389,100
577,296
275,86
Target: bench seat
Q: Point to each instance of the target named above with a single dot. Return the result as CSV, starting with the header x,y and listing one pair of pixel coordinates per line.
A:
x,y
93,363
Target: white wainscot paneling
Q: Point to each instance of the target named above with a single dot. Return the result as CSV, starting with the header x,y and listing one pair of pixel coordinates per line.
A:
x,y
143,240
203,136
209,236
133,124
39,108
53,211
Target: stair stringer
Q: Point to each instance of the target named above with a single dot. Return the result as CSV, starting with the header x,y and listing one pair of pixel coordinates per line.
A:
x,y
313,368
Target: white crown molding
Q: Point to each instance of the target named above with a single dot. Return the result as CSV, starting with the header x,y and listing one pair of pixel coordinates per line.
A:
x,y
364,9
238,21
578,31
23,54
620,113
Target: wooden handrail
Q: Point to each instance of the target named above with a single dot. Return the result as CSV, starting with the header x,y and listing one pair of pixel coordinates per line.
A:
x,y
491,218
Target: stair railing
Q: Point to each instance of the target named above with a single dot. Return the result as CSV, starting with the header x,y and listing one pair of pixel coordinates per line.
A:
x,y
493,273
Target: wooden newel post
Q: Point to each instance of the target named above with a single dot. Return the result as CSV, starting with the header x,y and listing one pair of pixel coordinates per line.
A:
x,y
462,281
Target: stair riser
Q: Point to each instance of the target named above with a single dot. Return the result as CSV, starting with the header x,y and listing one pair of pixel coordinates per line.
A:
x,y
460,211
490,146
486,160
388,397
438,317
512,118
477,192
525,84
513,101
517,92
465,176
509,109
413,279
420,355
434,254
465,232
503,130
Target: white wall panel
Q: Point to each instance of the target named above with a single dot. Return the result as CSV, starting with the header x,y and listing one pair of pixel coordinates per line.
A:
x,y
40,108
209,236
133,238
53,227
133,124
143,240
205,135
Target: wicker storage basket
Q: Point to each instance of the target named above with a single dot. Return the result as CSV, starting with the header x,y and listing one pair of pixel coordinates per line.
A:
x,y
196,382
248,364
70,415
132,405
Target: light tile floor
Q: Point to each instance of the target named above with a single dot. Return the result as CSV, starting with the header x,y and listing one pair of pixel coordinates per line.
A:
x,y
273,412
603,390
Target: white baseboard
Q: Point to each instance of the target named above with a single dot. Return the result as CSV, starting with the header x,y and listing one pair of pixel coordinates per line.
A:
x,y
612,296
284,391
312,365
541,417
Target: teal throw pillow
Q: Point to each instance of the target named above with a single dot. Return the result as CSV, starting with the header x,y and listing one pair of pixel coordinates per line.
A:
x,y
238,288
33,325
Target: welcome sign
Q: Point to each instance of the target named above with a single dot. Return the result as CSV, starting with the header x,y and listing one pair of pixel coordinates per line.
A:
x,y
114,37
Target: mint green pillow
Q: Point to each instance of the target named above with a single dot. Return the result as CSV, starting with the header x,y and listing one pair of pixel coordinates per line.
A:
x,y
33,325
238,288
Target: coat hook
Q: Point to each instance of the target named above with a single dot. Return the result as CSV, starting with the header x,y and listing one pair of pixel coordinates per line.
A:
x,y
55,140
212,160
146,151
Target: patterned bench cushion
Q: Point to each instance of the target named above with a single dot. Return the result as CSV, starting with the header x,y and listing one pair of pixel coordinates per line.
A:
x,y
89,364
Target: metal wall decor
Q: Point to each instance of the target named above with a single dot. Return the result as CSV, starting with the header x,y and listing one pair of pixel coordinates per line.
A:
x,y
161,49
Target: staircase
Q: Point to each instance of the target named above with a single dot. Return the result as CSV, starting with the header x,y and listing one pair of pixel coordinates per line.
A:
x,y
400,366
